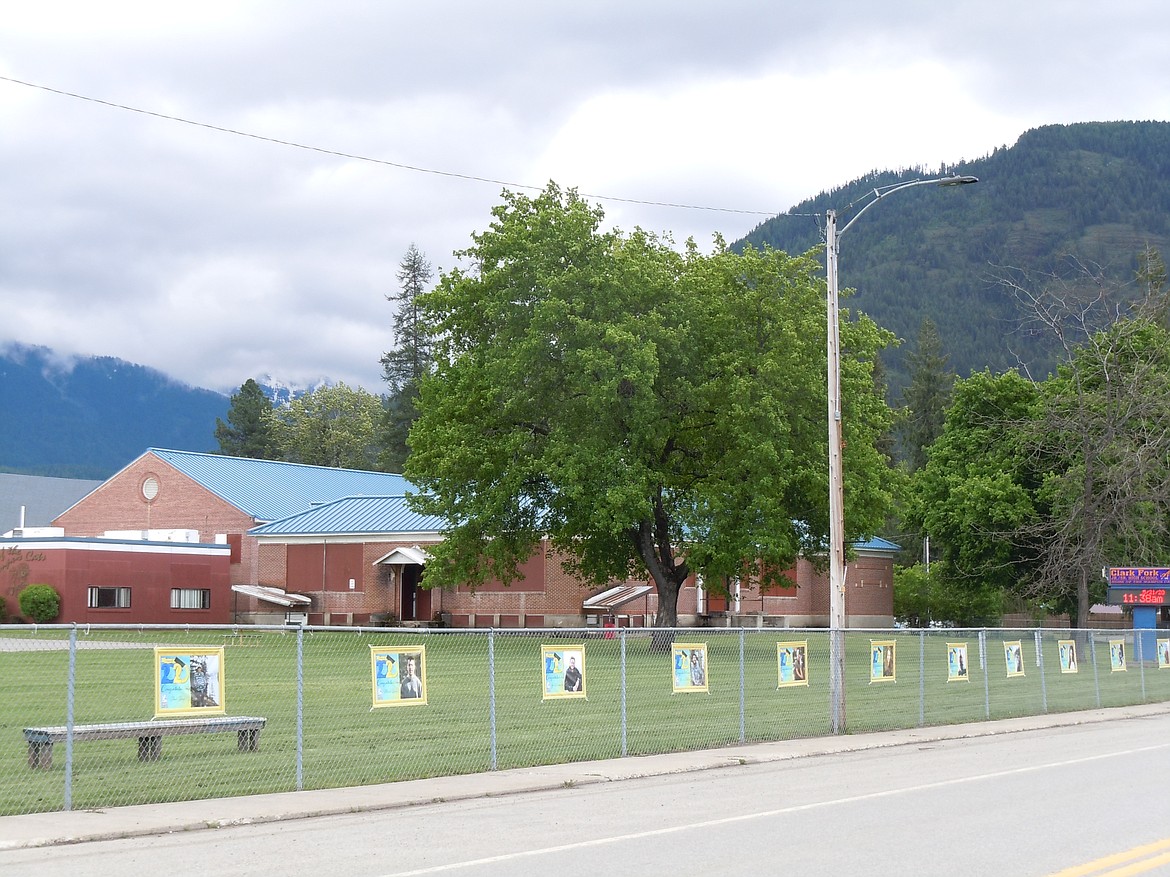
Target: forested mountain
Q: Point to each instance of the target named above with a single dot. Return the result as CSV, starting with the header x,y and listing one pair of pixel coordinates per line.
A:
x,y
1099,192
90,417
1096,192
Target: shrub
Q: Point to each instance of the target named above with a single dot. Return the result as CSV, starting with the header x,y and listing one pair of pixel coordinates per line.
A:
x,y
41,603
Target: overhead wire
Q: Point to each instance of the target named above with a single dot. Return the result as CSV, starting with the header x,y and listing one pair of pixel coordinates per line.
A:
x,y
380,161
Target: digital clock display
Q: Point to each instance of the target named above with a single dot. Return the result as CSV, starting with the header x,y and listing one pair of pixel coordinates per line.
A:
x,y
1138,596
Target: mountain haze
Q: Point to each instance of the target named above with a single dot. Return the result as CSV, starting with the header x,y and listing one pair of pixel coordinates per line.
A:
x,y
88,417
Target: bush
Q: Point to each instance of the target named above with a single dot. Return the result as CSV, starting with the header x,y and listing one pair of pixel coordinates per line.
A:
x,y
41,603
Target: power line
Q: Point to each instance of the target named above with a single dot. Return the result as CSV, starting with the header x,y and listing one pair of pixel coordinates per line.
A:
x,y
380,161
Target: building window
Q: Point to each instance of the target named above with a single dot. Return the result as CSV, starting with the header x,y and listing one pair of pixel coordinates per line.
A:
x,y
190,598
109,598
150,488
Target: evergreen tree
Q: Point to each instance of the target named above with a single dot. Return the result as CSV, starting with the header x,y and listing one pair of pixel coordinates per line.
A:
x,y
926,399
405,363
248,431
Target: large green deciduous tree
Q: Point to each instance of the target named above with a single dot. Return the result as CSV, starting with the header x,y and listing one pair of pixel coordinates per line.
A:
x,y
248,432
650,412
331,426
976,497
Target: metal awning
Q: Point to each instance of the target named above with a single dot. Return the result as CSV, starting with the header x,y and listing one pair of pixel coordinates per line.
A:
x,y
609,600
404,555
272,595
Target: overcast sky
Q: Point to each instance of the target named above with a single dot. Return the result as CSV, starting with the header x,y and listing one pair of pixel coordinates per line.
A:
x,y
216,257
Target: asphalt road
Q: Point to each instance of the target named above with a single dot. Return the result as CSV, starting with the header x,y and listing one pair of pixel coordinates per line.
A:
x,y
1051,801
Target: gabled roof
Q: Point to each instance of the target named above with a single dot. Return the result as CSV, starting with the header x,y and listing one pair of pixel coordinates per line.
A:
x,y
270,490
355,515
878,544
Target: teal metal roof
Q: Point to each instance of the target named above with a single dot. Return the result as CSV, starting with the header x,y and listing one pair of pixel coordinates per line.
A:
x,y
354,515
270,490
877,543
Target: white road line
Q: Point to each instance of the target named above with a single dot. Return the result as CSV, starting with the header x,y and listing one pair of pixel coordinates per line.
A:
x,y
764,814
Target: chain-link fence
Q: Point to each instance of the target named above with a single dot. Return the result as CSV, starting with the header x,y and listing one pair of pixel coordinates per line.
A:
x,y
107,716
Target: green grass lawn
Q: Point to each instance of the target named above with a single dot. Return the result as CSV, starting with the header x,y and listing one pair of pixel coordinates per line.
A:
x,y
347,742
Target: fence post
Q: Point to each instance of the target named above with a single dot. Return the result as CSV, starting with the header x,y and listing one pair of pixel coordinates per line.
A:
x,y
742,717
1141,659
71,688
986,674
625,748
492,695
300,707
1096,675
1039,637
921,677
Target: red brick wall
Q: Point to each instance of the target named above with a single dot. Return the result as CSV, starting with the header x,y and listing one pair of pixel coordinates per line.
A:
x,y
150,576
181,504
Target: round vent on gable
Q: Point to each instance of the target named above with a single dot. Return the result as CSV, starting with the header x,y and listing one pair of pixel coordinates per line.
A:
x,y
150,488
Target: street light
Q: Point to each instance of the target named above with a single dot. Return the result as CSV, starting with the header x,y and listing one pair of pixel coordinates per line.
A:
x,y
836,485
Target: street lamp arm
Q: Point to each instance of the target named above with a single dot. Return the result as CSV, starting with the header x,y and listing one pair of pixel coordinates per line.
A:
x,y
878,194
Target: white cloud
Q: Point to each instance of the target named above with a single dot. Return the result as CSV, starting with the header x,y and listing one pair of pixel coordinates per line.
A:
x,y
216,257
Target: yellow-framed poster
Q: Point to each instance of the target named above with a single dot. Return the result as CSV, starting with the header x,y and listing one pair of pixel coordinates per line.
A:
x,y
189,681
1067,649
1117,655
957,663
1164,654
688,663
791,664
562,671
883,664
399,675
1013,658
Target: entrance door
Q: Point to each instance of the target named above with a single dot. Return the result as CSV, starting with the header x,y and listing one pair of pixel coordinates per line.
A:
x,y
416,600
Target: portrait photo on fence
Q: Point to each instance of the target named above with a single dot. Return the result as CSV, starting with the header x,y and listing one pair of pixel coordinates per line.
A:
x,y
1164,654
957,663
399,675
791,664
562,671
883,665
1067,649
1117,655
1013,656
689,666
189,682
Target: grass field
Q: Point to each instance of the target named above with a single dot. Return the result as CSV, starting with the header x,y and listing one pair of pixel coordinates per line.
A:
x,y
346,742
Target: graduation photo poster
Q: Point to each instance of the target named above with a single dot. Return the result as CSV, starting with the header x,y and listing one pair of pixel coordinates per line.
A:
x,y
883,661
689,666
188,682
399,675
562,671
1067,649
791,664
957,670
1013,657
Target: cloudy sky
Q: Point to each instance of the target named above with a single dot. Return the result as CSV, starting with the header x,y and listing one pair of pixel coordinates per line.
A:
x,y
216,257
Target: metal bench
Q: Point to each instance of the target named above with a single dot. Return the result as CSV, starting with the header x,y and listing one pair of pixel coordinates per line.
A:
x,y
148,734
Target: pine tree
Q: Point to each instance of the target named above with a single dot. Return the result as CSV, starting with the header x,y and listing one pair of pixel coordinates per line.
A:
x,y
926,399
248,432
404,365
